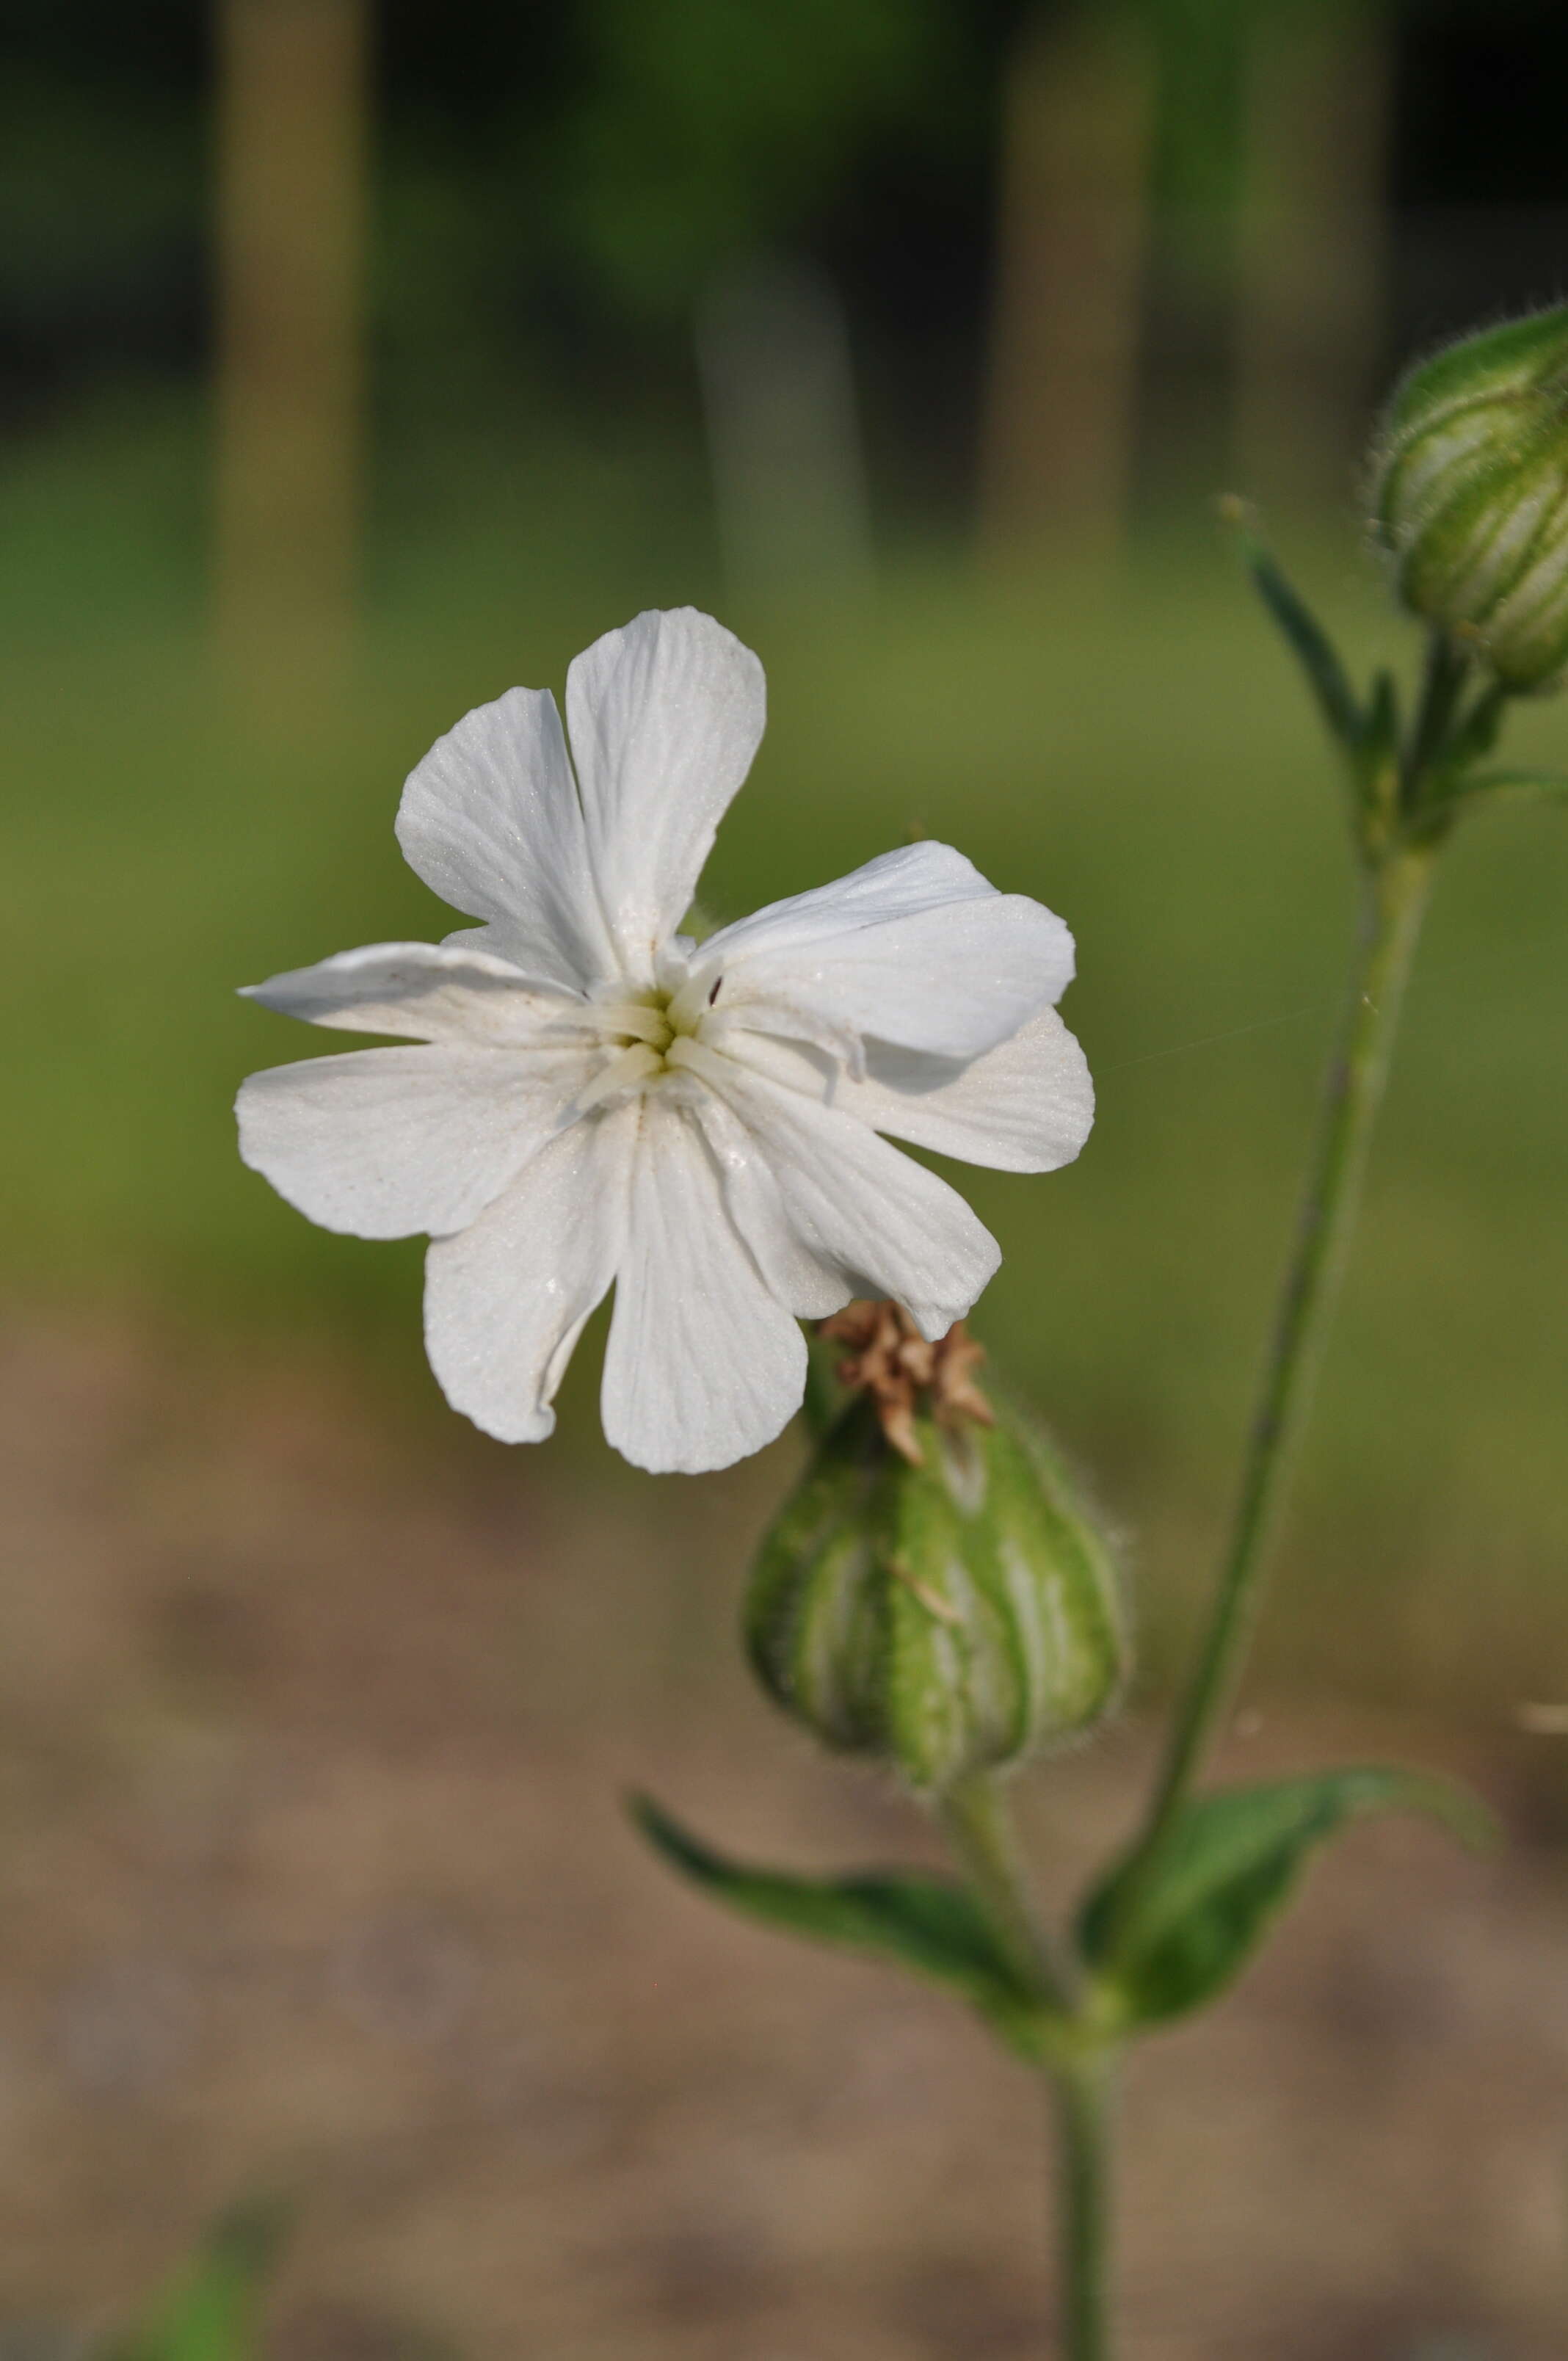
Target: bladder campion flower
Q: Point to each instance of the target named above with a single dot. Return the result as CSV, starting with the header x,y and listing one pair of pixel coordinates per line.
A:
x,y
593,1098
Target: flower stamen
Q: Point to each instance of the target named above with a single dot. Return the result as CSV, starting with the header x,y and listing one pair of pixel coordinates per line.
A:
x,y
687,1050
637,1021
634,1065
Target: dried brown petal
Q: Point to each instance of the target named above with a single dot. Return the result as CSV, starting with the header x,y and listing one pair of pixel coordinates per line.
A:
x,y
892,1362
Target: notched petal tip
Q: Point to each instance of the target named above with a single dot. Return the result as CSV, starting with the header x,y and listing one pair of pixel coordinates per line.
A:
x,y
705,1364
665,714
385,1143
698,1459
506,1299
922,952
496,1424
490,819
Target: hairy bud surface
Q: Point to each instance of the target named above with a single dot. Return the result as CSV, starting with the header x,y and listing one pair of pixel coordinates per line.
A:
x,y
934,1594
1470,495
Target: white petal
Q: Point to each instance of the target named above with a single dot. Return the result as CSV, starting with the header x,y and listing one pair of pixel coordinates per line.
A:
x,y
1024,1106
665,715
491,820
800,1279
505,1300
703,1365
915,948
434,992
385,1142
885,1224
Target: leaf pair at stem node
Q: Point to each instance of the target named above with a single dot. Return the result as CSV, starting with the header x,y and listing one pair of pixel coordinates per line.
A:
x,y
1163,1934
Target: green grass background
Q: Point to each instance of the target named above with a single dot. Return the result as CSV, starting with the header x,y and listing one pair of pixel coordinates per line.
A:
x,y
1137,754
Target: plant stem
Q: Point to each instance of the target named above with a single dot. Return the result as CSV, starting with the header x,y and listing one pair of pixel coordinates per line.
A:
x,y
978,1819
979,1825
1081,2097
1397,884
1394,902
1443,685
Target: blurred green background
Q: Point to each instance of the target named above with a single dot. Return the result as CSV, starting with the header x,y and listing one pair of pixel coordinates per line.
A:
x,y
534,383
358,361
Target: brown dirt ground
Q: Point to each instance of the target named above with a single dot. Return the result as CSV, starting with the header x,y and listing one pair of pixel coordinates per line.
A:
x,y
313,1724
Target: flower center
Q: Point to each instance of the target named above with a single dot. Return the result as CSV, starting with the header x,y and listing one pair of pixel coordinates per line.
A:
x,y
647,1038
648,1020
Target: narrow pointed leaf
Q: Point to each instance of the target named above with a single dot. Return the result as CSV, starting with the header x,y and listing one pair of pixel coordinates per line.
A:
x,y
1380,727
212,2312
1476,735
1375,763
927,1924
1165,1935
1486,786
1309,642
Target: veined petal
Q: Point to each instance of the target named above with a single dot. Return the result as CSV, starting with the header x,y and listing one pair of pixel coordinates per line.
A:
x,y
885,1224
704,1363
800,1279
385,1142
505,1300
1025,1106
916,947
492,822
665,715
433,992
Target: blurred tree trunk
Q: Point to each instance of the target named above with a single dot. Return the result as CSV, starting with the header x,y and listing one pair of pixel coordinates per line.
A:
x,y
291,236
1056,460
784,431
1199,48
1310,252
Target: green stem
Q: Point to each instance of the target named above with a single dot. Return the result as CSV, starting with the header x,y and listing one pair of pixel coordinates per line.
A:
x,y
1081,2095
979,1826
1397,880
978,1819
1395,901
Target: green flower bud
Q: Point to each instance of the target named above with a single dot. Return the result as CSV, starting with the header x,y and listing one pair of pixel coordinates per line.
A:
x,y
1470,494
933,1595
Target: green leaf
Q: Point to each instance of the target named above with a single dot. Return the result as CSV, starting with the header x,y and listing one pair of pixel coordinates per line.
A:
x,y
1477,786
1380,727
212,2312
1477,733
1307,641
1375,766
1165,1932
927,1924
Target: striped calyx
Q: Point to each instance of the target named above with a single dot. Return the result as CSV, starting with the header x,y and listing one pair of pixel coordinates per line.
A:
x,y
944,1614
1470,495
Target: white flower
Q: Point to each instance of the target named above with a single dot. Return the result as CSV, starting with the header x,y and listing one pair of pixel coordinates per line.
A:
x,y
593,1098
